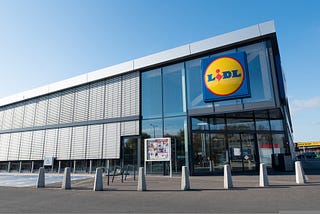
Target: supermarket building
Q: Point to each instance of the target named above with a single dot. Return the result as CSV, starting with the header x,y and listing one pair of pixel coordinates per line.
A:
x,y
220,100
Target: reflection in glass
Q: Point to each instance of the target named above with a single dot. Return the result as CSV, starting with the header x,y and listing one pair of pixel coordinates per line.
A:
x,y
259,73
199,124
278,143
217,123
240,124
194,84
152,128
173,90
151,94
265,148
262,124
276,125
175,129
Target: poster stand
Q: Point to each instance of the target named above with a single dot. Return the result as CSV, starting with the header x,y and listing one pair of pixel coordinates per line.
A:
x,y
157,149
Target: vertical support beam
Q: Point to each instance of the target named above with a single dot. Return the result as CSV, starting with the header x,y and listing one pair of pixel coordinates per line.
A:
x,y
32,166
66,184
141,180
185,182
9,166
227,177
90,167
98,182
74,166
20,166
263,179
41,178
59,167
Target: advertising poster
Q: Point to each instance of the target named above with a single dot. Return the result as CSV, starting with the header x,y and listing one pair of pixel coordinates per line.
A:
x,y
158,149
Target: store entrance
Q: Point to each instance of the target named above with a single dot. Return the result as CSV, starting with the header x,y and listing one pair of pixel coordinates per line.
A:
x,y
211,151
130,153
242,152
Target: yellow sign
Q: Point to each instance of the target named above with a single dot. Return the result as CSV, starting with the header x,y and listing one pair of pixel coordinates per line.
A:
x,y
224,76
302,144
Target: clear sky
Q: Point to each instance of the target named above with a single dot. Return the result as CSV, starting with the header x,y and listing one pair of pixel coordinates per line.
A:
x,y
44,41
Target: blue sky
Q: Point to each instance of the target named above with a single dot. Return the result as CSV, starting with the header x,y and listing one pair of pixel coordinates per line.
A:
x,y
44,41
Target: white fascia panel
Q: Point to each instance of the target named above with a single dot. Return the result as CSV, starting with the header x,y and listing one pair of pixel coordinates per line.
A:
x,y
225,39
267,28
68,83
162,57
24,95
110,71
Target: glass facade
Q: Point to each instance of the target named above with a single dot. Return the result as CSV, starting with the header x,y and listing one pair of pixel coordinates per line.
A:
x,y
172,96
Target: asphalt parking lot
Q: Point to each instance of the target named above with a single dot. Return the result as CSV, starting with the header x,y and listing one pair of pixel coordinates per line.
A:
x,y
163,195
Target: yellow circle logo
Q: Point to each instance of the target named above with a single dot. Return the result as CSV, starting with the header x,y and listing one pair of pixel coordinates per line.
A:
x,y
224,76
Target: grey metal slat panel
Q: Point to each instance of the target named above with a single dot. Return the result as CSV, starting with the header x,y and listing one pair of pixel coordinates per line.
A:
x,y
79,137
37,145
111,144
1,118
25,146
4,145
53,109
29,114
130,128
81,104
14,145
97,97
41,112
7,119
130,94
50,145
64,144
113,97
18,116
67,105
94,144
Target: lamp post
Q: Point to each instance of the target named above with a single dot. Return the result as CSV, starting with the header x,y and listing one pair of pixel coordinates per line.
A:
x,y
154,129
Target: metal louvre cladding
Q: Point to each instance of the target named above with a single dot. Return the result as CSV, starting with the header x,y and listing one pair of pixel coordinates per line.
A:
x,y
4,146
53,109
29,114
18,117
94,144
7,119
96,102
50,146
41,112
64,144
113,98
37,145
130,94
67,105
81,104
25,146
111,144
14,145
78,146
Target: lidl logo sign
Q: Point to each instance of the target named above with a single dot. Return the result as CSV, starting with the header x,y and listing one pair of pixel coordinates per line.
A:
x,y
225,77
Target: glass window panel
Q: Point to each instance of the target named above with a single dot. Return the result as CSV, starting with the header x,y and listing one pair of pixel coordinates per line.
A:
x,y
276,125
175,129
151,94
173,90
240,124
278,143
259,73
262,124
217,123
200,124
194,84
265,148
152,128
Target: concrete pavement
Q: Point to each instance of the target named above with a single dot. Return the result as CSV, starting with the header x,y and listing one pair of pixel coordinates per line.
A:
x,y
163,195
